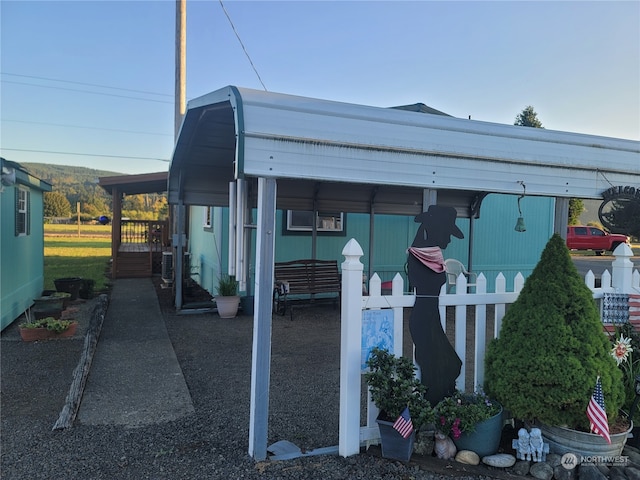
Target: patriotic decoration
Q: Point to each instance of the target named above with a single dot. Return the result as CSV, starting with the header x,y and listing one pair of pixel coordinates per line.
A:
x,y
634,310
403,423
597,414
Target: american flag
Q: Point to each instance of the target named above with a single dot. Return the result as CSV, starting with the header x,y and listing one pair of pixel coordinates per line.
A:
x,y
403,423
597,414
634,310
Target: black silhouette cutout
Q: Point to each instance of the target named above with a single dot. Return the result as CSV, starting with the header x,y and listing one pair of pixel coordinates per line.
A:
x,y
438,361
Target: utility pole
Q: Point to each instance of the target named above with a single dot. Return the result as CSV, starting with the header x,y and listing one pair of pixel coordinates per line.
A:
x,y
180,109
181,64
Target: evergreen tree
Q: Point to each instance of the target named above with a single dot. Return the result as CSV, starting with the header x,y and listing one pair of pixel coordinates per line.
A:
x,y
528,118
576,207
55,204
552,348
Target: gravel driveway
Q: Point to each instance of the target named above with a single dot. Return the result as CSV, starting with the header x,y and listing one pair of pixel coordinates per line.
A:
x,y
212,443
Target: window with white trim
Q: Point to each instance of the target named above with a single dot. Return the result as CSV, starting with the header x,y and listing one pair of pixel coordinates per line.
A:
x,y
301,221
208,214
23,198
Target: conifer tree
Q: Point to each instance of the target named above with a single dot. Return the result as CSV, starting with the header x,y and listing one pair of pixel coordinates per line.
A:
x,y
552,347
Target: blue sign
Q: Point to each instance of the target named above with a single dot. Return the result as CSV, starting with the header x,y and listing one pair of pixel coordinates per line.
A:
x,y
377,331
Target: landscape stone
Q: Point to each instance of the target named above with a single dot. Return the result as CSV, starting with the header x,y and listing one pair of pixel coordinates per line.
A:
x,y
542,471
554,459
467,457
521,467
561,473
590,472
617,473
500,460
632,473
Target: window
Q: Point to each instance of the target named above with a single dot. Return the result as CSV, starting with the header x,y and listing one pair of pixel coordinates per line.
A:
x,y
301,221
206,222
23,212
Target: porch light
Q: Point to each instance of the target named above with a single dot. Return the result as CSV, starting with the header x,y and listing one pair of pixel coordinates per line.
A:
x,y
520,227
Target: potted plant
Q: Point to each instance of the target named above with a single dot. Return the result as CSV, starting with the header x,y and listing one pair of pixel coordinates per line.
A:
x,y
394,388
46,328
551,352
70,285
227,300
472,420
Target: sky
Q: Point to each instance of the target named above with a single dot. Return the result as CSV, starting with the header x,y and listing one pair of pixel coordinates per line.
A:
x,y
91,83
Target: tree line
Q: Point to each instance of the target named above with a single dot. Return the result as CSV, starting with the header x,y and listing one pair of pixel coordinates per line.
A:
x,y
79,185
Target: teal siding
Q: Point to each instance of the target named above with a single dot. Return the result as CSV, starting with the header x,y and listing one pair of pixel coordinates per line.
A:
x,y
21,258
497,246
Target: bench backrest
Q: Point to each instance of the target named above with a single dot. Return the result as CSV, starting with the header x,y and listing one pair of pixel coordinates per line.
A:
x,y
309,276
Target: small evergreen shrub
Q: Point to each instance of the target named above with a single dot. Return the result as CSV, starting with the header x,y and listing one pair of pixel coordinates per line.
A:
x,y
552,347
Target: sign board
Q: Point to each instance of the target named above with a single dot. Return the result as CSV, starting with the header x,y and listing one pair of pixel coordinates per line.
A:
x,y
377,331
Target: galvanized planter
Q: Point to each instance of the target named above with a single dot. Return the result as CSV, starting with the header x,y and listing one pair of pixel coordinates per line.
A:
x,y
394,445
564,440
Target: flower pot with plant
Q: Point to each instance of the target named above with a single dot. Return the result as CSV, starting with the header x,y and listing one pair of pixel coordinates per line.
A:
x,y
394,388
472,420
552,350
46,328
227,300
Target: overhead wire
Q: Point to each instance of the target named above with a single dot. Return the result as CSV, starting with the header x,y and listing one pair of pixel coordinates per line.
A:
x,y
85,154
233,27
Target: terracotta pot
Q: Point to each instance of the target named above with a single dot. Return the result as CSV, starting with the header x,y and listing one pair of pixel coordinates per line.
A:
x,y
36,334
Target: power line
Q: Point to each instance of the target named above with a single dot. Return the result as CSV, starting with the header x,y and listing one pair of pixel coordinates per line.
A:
x,y
85,84
242,45
87,91
87,127
85,154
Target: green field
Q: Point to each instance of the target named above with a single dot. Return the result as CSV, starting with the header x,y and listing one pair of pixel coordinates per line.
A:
x,y
67,255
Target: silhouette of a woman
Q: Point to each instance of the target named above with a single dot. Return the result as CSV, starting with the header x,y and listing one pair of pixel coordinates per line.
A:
x,y
438,361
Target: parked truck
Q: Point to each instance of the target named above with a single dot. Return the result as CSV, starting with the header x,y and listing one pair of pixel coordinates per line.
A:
x,y
593,238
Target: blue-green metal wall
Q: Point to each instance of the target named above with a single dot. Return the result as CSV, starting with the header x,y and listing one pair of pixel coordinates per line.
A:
x,y
497,246
21,258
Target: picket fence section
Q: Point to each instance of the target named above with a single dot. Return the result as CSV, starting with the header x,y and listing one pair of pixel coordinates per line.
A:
x,y
356,306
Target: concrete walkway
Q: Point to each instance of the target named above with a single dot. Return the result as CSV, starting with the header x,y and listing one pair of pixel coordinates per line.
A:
x,y
135,378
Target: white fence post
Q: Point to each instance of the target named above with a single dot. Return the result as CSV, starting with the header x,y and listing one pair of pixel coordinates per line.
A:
x,y
350,349
622,269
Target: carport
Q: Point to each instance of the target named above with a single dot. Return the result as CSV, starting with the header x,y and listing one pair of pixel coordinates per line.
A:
x,y
249,149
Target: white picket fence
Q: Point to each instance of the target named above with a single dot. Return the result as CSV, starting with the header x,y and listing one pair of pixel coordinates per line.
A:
x,y
356,307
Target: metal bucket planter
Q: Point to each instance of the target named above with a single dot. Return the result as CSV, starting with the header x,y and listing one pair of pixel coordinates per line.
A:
x,y
485,439
564,440
394,445
70,285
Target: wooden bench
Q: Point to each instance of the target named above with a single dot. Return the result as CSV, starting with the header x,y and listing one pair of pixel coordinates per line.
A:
x,y
300,280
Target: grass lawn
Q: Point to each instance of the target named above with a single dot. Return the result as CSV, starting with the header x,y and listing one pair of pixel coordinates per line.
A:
x,y
71,230
68,256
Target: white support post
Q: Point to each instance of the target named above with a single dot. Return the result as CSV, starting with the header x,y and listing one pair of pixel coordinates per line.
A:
x,y
350,349
241,211
232,230
261,355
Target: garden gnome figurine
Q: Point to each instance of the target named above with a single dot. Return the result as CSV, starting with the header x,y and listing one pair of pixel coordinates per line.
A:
x,y
444,447
522,445
438,362
539,449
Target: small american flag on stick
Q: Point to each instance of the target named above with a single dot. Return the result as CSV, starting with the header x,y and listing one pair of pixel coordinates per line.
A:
x,y
403,423
597,414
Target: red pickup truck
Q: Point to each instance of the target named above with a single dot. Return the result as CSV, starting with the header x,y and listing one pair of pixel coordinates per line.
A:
x,y
592,238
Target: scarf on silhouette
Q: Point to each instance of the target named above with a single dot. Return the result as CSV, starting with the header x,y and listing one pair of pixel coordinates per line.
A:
x,y
431,257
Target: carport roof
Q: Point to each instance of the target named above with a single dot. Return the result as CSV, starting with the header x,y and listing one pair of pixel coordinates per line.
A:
x,y
339,156
135,184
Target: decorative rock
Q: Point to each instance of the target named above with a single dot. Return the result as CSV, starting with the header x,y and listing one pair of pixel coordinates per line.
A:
x,y
554,460
632,473
500,460
467,457
521,468
542,471
561,473
590,472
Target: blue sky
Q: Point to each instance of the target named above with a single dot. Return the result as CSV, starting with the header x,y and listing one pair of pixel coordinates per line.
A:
x,y
576,63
